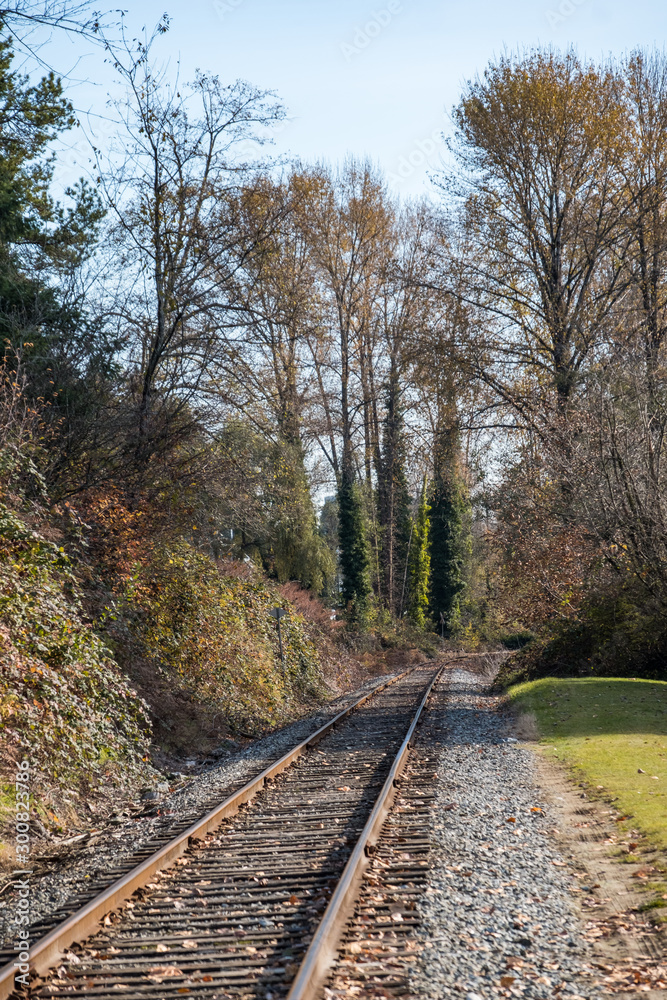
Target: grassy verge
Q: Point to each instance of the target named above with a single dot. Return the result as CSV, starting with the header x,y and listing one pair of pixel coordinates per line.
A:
x,y
611,733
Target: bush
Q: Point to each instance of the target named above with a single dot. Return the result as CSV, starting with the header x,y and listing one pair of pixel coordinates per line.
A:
x,y
615,635
215,635
516,640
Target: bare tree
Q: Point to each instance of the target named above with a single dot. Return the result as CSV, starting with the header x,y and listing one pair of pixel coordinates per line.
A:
x,y
347,221
29,20
545,238
174,189
277,311
644,169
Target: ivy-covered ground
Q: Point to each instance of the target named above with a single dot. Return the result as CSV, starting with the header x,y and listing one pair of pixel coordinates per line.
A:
x,y
65,705
68,702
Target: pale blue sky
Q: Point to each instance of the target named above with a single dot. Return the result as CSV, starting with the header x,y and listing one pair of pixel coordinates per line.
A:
x,y
376,79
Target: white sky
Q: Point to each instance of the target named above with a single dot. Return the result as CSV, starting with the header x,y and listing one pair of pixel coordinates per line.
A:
x,y
371,79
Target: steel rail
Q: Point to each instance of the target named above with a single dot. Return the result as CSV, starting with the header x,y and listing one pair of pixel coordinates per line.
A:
x,y
322,950
80,925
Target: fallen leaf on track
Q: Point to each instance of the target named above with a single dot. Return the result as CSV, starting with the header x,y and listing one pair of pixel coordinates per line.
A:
x,y
164,971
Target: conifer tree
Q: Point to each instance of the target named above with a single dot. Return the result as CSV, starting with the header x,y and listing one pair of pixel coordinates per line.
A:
x,y
449,535
354,554
297,550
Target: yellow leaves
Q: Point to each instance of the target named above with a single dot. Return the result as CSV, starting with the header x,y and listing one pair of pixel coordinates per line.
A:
x,y
215,633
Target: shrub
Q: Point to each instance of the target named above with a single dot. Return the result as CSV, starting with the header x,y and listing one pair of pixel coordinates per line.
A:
x,y
216,636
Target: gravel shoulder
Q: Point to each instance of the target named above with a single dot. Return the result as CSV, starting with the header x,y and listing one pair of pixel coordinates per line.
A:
x,y
70,868
500,915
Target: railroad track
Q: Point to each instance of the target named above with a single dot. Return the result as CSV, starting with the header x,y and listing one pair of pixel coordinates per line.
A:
x,y
258,895
383,938
174,837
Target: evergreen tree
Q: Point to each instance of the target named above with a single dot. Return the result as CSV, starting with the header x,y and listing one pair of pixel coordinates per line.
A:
x,y
420,564
69,360
262,495
40,241
450,534
354,554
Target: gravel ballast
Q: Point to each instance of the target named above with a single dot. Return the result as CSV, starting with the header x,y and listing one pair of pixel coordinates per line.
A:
x,y
499,917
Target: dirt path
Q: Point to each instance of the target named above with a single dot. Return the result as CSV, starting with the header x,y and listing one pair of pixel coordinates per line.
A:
x,y
629,948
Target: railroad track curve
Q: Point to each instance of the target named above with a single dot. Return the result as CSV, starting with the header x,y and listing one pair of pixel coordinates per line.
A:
x,y
252,901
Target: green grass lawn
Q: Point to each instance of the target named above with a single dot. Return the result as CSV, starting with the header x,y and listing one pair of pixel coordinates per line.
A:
x,y
612,733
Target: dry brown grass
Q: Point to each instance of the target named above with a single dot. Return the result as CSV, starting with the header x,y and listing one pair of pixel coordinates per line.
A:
x,y
344,668
525,727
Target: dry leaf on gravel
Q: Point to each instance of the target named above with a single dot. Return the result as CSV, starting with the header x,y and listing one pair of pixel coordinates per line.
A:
x,y
161,972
